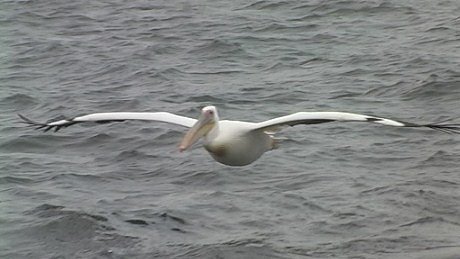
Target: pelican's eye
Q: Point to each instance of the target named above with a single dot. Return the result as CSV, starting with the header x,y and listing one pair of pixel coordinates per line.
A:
x,y
209,112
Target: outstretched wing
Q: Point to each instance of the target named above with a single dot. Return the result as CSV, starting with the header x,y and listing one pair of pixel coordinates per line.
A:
x,y
323,117
112,117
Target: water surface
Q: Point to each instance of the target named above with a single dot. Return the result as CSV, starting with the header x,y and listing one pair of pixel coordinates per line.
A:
x,y
330,191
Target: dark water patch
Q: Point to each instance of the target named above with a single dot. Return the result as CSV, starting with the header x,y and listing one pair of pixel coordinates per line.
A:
x,y
77,178
393,244
158,221
344,94
137,157
200,179
20,101
175,98
276,66
38,169
359,8
264,5
355,72
321,37
205,99
167,217
72,236
45,207
172,135
218,48
283,28
312,61
34,144
432,181
178,230
438,159
433,90
379,190
64,233
117,104
439,28
24,192
216,72
170,74
15,180
310,205
49,210
312,17
247,100
234,250
130,154
422,196
95,140
251,89
388,91
424,220
106,73
137,222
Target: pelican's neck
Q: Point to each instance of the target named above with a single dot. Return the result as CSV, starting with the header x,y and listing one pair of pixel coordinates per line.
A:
x,y
213,133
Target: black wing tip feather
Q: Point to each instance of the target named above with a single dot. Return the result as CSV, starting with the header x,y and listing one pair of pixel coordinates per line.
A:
x,y
452,128
28,121
45,126
32,123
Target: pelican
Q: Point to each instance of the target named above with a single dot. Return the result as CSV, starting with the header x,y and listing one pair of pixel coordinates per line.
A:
x,y
234,143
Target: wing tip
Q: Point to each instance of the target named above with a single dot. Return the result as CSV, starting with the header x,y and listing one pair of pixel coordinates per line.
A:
x,y
450,128
29,121
446,128
39,125
25,119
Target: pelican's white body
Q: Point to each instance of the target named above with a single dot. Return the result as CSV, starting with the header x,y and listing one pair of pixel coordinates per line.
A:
x,y
235,143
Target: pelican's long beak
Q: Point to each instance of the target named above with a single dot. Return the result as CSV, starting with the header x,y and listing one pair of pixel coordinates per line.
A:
x,y
201,128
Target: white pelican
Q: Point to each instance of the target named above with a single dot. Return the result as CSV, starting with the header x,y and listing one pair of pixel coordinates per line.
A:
x,y
234,143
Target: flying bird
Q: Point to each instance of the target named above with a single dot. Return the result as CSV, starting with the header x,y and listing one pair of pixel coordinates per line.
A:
x,y
234,143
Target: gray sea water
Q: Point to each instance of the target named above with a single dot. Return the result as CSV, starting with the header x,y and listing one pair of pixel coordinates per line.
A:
x,y
332,190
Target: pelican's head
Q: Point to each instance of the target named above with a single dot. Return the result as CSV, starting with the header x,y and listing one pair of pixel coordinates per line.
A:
x,y
206,122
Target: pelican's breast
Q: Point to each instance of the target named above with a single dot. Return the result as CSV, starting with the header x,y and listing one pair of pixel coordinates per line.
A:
x,y
236,145
216,149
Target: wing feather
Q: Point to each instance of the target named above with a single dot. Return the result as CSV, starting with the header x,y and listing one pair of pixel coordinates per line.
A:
x,y
323,117
112,117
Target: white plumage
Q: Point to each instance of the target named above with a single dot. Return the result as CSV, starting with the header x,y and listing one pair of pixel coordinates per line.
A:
x,y
234,143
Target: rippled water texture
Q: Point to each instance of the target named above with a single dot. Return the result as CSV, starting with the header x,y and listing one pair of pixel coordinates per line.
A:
x,y
330,191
